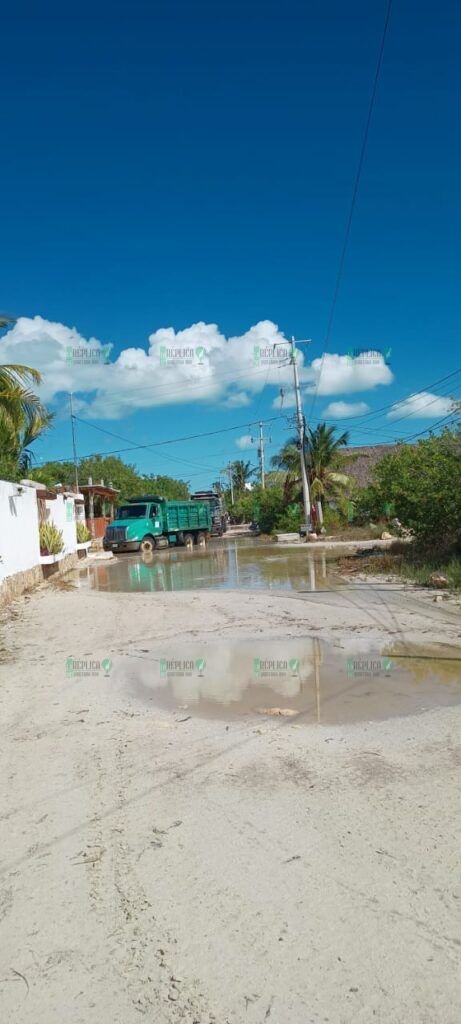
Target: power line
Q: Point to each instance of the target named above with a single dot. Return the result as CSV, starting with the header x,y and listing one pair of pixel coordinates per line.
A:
x,y
410,415
173,440
220,455
374,412
354,197
451,415
410,437
172,458
391,405
241,426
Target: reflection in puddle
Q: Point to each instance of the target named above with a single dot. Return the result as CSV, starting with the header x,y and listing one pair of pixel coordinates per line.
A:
x,y
225,565
303,679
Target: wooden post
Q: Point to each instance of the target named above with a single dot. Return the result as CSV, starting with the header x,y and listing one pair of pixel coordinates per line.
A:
x,y
91,508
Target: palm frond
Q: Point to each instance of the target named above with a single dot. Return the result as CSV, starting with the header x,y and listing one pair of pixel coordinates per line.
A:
x,y
12,374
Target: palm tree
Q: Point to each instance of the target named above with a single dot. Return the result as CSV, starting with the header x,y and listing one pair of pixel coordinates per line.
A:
x,y
15,442
322,460
6,321
321,452
241,474
288,459
23,417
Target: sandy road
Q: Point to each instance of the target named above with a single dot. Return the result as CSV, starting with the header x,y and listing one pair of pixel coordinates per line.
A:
x,y
187,869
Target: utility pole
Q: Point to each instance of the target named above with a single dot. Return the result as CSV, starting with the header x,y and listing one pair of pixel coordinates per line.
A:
x,y
261,456
74,442
231,482
301,434
262,464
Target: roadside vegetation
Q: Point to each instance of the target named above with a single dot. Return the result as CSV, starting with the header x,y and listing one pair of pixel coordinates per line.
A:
x,y
23,417
418,486
421,486
121,475
279,507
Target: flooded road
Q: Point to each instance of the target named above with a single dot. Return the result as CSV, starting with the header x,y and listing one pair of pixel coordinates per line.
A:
x,y
310,679
244,564
305,679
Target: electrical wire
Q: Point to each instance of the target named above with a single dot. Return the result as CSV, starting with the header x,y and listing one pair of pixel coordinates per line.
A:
x,y
173,440
411,437
451,416
391,405
354,198
240,426
373,413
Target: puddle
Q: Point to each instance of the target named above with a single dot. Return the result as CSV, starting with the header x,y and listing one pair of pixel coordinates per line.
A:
x,y
299,680
223,565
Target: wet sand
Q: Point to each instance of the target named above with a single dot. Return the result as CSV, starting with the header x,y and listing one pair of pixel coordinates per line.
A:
x,y
162,862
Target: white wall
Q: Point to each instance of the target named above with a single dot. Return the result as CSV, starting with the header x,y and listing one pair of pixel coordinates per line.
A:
x,y
19,542
19,536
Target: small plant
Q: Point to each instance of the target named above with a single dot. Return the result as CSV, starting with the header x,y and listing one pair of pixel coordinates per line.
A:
x,y
51,540
82,533
290,519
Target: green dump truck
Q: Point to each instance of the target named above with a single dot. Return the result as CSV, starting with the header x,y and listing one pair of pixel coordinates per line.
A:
x,y
218,517
151,522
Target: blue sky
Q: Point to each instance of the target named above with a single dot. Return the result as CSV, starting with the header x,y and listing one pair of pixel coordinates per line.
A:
x,y
167,167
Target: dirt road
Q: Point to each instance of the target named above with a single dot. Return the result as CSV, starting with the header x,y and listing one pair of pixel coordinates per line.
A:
x,y
161,865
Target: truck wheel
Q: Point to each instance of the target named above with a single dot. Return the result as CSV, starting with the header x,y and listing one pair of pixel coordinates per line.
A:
x,y
147,545
200,540
188,540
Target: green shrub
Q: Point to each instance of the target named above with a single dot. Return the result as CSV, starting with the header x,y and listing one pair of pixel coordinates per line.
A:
x,y
370,505
333,521
290,519
421,485
265,507
82,533
242,509
271,508
51,539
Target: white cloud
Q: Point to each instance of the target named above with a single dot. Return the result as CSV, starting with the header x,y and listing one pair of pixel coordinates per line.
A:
x,y
341,375
193,365
246,441
236,400
422,406
342,410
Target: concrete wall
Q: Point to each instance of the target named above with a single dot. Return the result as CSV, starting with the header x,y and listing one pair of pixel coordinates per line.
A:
x,y
20,560
19,542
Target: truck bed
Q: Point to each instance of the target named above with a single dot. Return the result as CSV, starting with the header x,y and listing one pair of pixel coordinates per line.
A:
x,y
186,515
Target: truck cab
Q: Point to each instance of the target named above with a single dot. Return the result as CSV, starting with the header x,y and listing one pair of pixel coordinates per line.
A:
x,y
135,522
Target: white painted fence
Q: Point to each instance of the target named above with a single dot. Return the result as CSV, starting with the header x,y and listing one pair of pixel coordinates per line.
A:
x,y
19,527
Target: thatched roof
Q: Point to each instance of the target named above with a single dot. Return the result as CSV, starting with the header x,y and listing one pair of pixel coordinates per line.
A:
x,y
359,462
